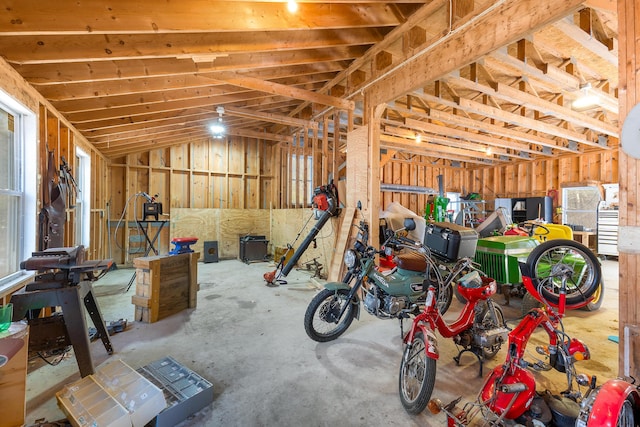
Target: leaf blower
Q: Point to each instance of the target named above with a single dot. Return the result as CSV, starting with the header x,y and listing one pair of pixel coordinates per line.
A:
x,y
325,204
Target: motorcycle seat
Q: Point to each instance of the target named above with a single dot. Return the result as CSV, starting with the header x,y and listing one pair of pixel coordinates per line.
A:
x,y
411,261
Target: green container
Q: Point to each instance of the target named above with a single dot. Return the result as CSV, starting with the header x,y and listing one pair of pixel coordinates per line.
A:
x,y
498,256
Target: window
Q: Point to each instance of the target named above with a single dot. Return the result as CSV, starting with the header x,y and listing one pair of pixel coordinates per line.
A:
x,y
580,207
82,175
298,180
17,186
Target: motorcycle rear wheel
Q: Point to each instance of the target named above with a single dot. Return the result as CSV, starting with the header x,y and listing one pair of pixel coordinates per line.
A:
x,y
445,296
489,321
556,258
321,320
417,376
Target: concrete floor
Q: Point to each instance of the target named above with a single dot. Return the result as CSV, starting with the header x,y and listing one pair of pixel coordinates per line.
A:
x,y
249,341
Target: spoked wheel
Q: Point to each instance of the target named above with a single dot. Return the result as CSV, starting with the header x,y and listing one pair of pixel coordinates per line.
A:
x,y
445,293
322,322
491,320
445,296
560,260
626,417
417,376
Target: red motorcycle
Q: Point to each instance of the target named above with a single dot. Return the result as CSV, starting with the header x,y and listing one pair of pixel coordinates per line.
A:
x,y
479,329
509,392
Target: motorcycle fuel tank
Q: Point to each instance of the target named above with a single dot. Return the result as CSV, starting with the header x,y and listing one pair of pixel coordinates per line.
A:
x,y
518,386
400,282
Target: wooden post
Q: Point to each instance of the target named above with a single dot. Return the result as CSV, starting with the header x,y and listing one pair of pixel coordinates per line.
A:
x,y
629,258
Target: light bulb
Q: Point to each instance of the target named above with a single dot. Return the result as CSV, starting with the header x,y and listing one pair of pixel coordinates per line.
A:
x,y
292,6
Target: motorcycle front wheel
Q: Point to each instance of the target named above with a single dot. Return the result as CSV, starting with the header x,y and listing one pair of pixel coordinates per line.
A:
x,y
321,321
556,260
417,376
626,417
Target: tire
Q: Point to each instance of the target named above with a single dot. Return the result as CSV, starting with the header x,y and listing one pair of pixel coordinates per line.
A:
x,y
488,322
445,293
321,315
459,297
529,303
445,296
555,260
417,376
598,297
626,416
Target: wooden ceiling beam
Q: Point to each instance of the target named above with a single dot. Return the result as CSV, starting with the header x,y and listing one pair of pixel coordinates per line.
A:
x,y
113,88
187,137
498,115
428,149
152,117
365,61
427,136
547,74
518,140
130,69
269,117
283,90
607,5
470,42
518,97
524,122
192,128
154,97
502,147
158,107
146,128
47,49
586,40
33,17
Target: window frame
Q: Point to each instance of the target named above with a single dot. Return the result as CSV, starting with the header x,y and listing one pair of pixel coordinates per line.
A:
x,y
25,135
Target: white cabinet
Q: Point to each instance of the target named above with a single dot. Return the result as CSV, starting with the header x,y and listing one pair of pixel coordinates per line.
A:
x,y
607,231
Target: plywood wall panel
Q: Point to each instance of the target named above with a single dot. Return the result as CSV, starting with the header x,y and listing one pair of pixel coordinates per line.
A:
x,y
236,192
180,189
252,155
235,223
217,190
218,156
160,158
251,186
200,190
291,226
201,223
180,157
235,161
200,155
159,187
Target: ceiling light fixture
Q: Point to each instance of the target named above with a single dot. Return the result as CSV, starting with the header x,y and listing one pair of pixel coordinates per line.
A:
x,y
292,6
418,138
217,128
587,98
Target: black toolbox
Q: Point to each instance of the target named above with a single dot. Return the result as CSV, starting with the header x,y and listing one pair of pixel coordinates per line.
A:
x,y
450,241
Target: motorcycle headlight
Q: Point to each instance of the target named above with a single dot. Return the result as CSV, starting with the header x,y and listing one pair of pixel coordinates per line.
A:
x,y
350,258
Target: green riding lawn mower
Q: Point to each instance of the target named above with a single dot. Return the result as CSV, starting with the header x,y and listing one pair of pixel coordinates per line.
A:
x,y
499,256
